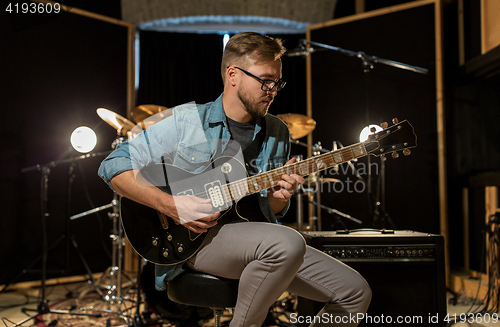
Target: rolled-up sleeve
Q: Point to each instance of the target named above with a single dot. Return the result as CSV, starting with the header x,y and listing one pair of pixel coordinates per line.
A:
x,y
151,146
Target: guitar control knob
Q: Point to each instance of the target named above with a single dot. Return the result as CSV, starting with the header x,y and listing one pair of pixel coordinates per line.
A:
x,y
180,248
406,152
395,120
384,125
395,155
170,237
154,241
165,253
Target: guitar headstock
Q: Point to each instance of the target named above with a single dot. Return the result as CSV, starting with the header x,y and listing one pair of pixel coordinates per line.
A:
x,y
399,136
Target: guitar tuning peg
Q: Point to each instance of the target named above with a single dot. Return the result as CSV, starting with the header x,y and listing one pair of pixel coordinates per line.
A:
x,y
382,156
395,120
395,155
406,152
384,125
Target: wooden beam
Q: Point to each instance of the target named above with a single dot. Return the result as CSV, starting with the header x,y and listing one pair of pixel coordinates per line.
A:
x,y
441,132
371,13
461,33
465,210
360,6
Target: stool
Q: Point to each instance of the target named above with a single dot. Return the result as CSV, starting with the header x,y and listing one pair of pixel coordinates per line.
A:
x,y
204,290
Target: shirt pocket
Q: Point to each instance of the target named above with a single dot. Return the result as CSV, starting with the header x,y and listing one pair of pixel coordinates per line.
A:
x,y
192,158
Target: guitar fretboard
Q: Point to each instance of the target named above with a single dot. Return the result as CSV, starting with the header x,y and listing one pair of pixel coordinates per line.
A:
x,y
236,190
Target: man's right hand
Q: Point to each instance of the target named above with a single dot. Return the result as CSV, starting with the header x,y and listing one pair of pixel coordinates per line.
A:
x,y
192,212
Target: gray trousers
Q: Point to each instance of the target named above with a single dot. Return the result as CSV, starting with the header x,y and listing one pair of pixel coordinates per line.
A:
x,y
270,259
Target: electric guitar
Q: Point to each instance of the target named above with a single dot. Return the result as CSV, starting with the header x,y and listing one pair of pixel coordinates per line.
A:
x,y
159,239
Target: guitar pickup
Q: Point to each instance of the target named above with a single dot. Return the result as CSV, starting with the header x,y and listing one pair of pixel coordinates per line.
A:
x,y
215,193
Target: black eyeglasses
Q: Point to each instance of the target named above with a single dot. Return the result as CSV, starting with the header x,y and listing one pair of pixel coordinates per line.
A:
x,y
267,84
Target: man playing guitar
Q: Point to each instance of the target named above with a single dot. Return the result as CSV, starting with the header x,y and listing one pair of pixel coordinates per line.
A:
x,y
267,258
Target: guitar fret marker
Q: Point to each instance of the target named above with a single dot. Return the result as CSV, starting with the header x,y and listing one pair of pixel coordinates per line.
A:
x,y
358,151
320,164
270,178
337,157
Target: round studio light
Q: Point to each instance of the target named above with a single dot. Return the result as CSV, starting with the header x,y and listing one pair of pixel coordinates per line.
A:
x,y
83,139
363,136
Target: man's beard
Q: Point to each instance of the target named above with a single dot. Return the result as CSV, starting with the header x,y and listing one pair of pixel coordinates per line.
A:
x,y
255,108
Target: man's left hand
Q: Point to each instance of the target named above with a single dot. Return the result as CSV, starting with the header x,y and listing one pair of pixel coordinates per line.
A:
x,y
288,184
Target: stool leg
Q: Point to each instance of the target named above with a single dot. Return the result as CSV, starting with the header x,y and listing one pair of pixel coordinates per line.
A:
x,y
218,314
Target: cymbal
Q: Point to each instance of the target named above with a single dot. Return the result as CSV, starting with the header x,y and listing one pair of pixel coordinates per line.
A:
x,y
299,125
121,124
144,111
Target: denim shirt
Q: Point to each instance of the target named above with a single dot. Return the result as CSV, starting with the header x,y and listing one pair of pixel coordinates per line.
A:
x,y
190,138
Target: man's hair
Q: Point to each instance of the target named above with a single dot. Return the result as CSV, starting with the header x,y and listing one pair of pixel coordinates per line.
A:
x,y
249,45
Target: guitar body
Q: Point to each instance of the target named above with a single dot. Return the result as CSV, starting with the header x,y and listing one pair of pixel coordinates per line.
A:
x,y
156,237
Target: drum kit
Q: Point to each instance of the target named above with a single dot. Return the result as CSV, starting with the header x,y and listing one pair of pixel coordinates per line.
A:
x,y
111,281
300,126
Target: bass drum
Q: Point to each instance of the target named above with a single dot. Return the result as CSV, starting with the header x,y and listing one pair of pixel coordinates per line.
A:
x,y
159,303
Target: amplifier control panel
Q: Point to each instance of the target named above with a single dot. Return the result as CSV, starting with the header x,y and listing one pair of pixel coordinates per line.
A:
x,y
416,252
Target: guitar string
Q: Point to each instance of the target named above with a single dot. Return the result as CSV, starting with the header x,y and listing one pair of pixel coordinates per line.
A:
x,y
327,158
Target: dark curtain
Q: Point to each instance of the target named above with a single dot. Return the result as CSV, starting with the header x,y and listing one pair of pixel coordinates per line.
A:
x,y
176,68
80,65
346,99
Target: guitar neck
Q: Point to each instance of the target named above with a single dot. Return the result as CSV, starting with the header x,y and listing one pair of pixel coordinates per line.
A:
x,y
247,186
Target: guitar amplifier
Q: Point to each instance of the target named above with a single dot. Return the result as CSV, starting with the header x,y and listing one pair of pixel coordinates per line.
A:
x,y
405,270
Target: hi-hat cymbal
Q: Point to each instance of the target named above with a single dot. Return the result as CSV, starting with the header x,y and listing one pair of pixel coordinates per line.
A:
x,y
299,125
121,124
144,111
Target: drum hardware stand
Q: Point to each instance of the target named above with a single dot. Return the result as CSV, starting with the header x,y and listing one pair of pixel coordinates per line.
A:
x,y
110,272
380,217
113,294
339,214
314,220
43,305
113,290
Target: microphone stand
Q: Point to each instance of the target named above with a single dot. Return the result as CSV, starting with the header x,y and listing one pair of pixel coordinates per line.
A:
x,y
368,62
317,148
338,213
43,305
